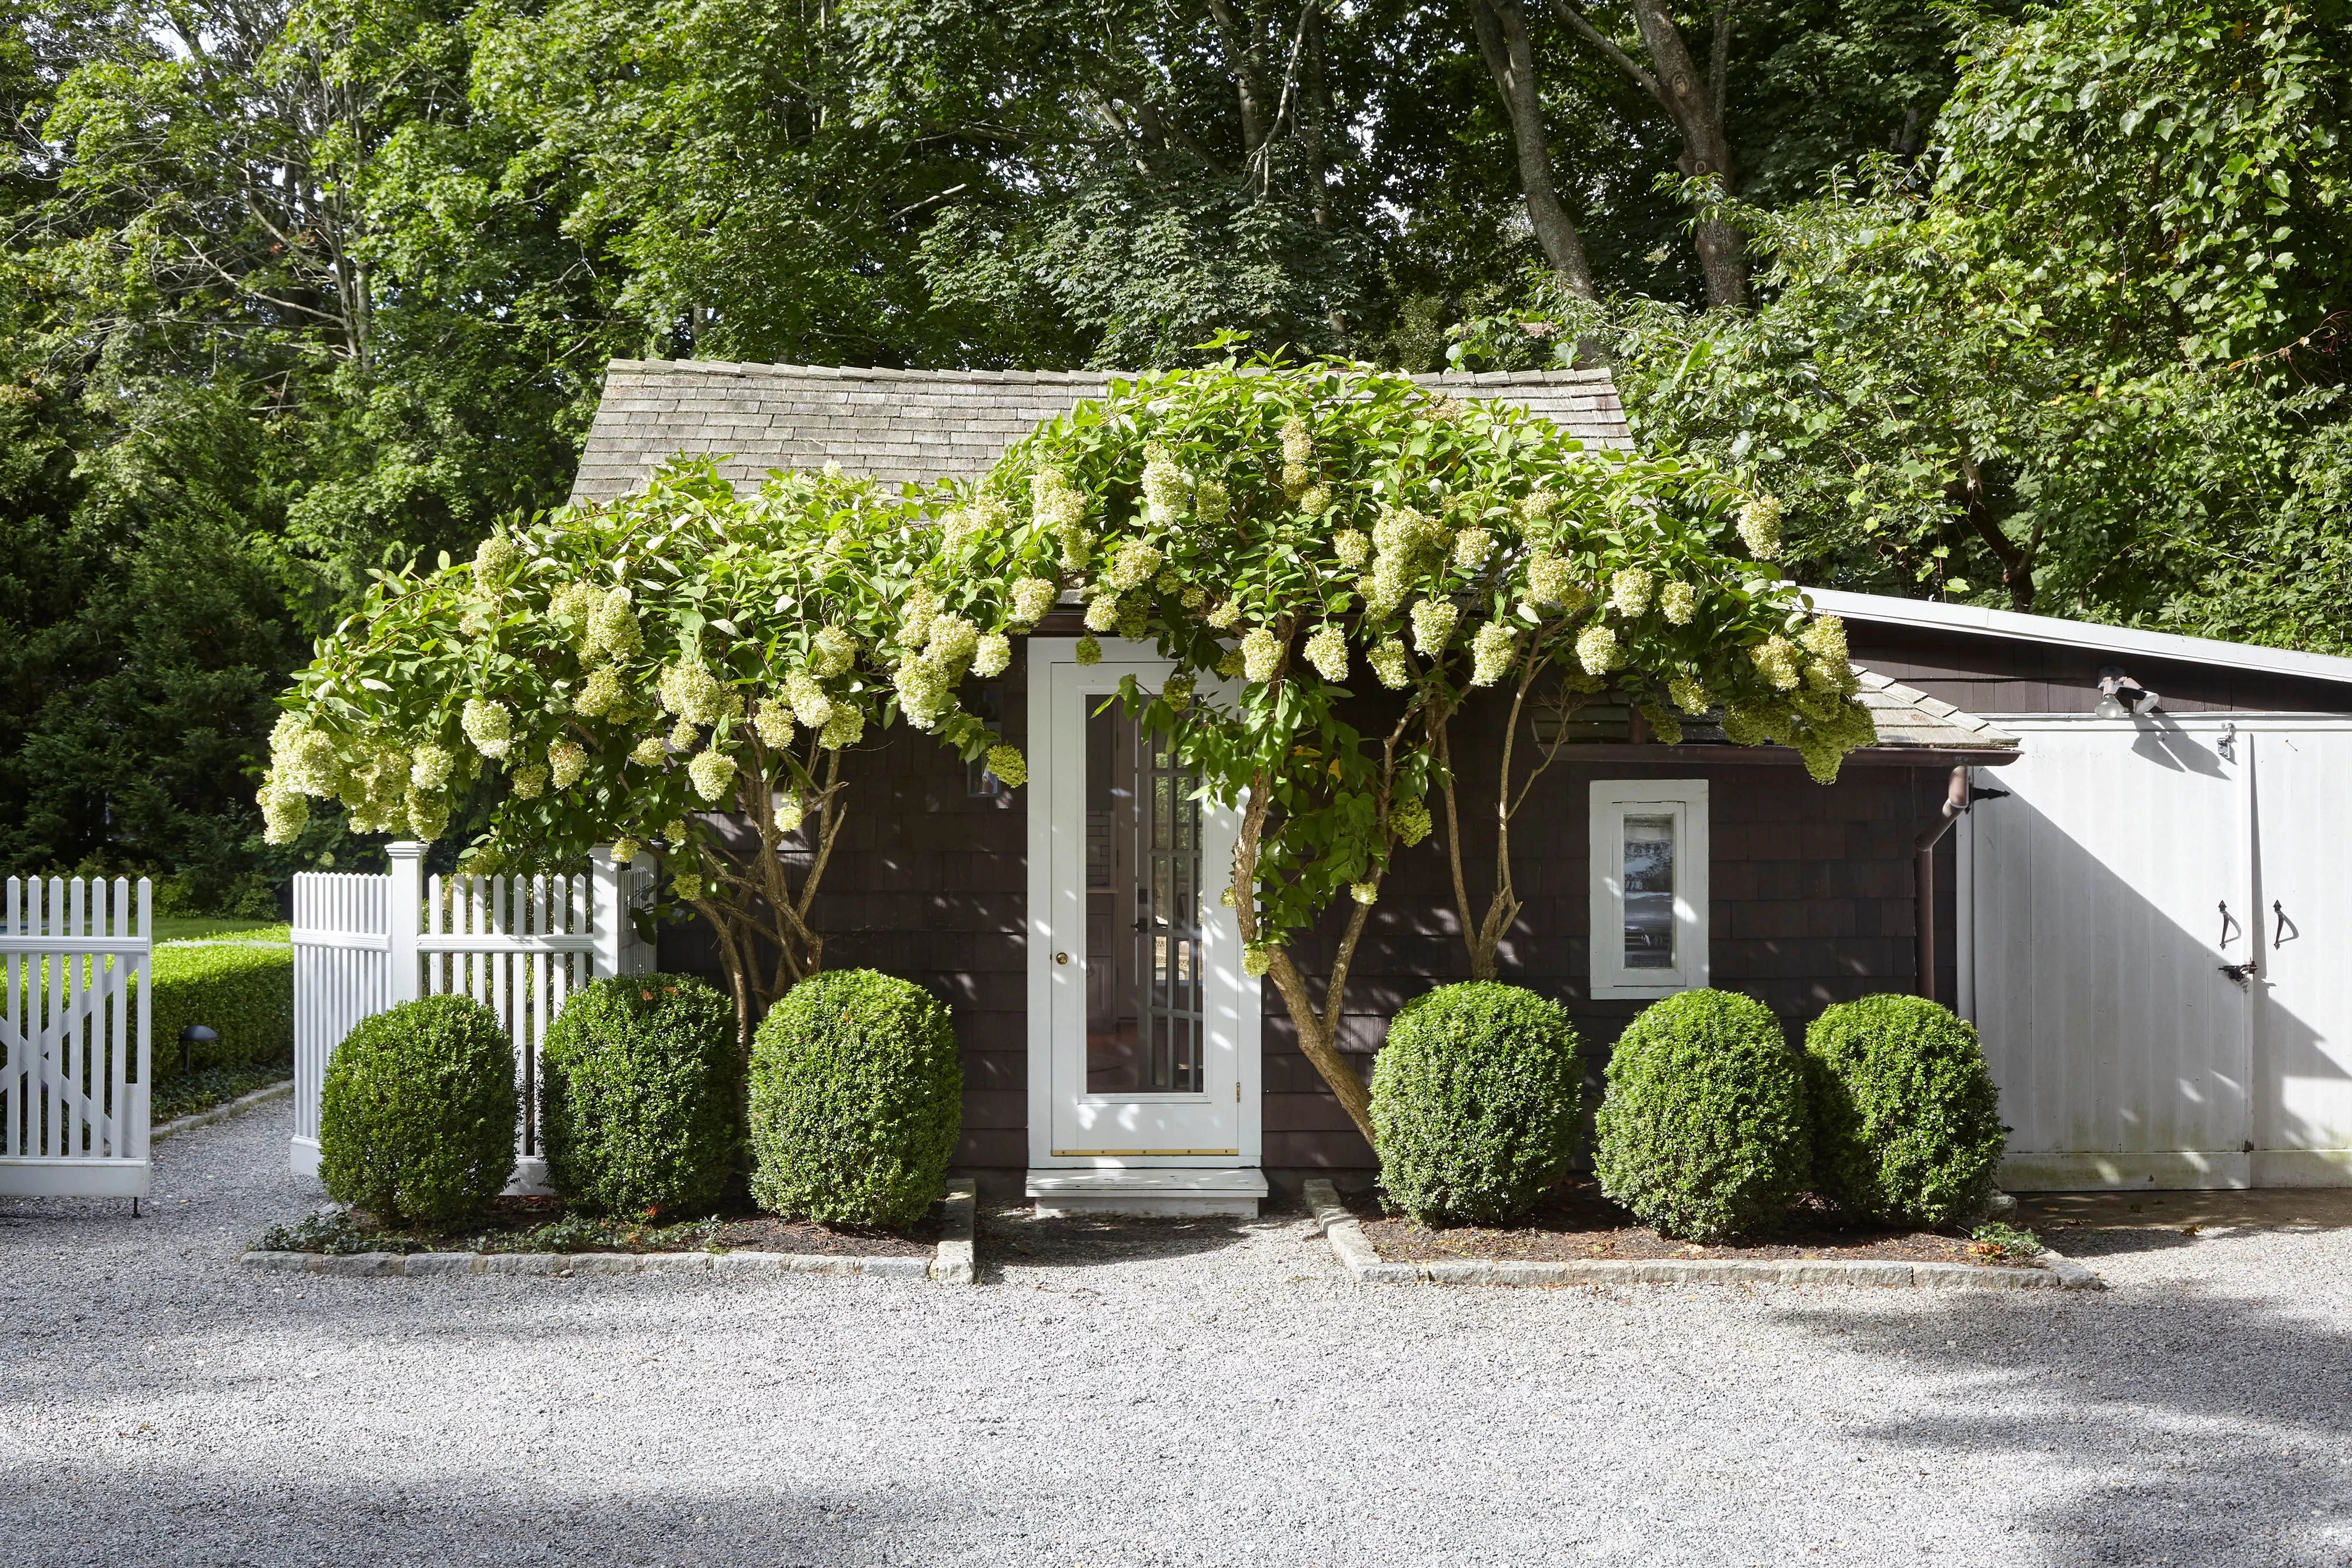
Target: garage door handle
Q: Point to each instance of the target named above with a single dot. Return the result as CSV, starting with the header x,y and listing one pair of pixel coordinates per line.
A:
x,y
2228,923
2284,924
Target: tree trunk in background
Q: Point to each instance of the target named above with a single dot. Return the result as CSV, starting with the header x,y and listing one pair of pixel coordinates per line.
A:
x,y
1502,31
1696,107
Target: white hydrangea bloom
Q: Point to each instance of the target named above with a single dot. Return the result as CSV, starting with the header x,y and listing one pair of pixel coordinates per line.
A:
x,y
1352,547
992,657
691,692
1629,592
1597,650
604,696
1261,654
1689,696
1433,625
1212,502
1131,565
809,703
1364,892
1826,639
684,736
1256,959
1389,663
1165,493
789,813
1471,546
429,815
529,781
613,629
1776,656
303,758
285,812
1297,450
1678,602
1102,613
773,724
832,653
431,767
1315,500
1224,617
565,764
846,727
492,559
1490,652
490,726
1032,598
914,620
1007,763
649,752
1326,650
1760,526
712,773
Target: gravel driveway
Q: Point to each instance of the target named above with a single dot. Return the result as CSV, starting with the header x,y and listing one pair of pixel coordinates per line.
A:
x,y
1162,1393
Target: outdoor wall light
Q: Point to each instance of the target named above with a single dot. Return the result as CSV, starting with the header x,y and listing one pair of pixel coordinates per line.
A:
x,y
2120,696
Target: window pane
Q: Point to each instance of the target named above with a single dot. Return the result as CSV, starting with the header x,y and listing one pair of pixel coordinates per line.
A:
x,y
1144,917
1649,892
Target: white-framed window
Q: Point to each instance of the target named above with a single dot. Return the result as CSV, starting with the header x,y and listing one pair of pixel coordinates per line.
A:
x,y
1649,886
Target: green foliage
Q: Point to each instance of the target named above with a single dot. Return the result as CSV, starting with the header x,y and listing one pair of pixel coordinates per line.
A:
x,y
857,1100
176,1094
1906,1122
340,1233
1701,1132
416,1122
641,1095
1996,1239
1477,1096
243,992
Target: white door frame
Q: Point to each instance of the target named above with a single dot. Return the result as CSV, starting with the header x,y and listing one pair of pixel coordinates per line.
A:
x,y
1056,921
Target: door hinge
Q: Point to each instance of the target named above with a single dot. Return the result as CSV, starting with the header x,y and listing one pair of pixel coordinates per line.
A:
x,y
1237,1090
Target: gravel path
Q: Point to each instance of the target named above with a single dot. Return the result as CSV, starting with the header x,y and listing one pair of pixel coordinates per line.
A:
x,y
1168,1393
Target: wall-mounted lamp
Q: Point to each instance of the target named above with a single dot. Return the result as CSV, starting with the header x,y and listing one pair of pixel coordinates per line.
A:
x,y
2120,696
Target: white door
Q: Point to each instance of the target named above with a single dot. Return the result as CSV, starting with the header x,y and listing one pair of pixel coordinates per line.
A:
x,y
1143,1029
2103,898
2302,1028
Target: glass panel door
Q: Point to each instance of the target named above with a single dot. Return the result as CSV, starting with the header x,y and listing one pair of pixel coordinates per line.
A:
x,y
1143,910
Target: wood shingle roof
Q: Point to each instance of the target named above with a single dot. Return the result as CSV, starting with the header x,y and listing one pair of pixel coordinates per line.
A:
x,y
901,426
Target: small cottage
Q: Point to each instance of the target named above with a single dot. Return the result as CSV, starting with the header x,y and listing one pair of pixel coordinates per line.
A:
x,y
1116,1056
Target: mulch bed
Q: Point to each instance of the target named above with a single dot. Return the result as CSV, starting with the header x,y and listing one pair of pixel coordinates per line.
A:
x,y
543,1225
1580,1225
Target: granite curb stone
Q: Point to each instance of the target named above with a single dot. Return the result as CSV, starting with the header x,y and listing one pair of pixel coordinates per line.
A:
x,y
1355,1253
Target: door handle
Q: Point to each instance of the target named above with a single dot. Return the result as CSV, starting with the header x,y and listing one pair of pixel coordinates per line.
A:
x,y
1061,958
2228,923
2278,933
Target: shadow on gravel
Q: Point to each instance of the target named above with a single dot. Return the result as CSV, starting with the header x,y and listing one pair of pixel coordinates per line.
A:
x,y
2179,1428
165,1520
1016,1238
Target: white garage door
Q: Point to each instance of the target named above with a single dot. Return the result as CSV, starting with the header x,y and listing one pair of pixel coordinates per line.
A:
x,y
2102,903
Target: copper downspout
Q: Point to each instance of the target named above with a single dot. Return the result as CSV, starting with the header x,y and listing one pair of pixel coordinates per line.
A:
x,y
1923,879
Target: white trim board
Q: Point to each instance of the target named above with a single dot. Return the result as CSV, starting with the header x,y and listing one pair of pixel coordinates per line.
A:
x,y
2059,632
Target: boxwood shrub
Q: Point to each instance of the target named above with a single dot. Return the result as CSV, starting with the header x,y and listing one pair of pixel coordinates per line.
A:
x,y
641,1095
1475,1101
416,1122
856,1099
242,991
1702,1133
1906,1122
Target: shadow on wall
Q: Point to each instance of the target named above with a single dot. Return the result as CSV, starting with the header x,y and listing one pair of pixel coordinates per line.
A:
x,y
2163,1429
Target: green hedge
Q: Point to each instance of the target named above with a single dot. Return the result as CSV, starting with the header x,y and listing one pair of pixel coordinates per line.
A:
x,y
418,1119
1475,1100
1906,1122
643,1096
856,1099
244,992
1703,1131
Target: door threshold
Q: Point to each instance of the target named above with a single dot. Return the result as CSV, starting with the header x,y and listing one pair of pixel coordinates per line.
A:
x,y
1153,1191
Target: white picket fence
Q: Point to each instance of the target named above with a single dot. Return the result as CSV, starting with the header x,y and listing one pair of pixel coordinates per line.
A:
x,y
519,946
74,1026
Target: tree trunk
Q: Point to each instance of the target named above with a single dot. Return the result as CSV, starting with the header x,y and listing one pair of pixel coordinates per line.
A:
x,y
2016,560
1501,27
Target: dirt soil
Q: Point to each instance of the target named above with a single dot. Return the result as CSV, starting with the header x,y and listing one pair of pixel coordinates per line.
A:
x,y
1580,1225
736,1229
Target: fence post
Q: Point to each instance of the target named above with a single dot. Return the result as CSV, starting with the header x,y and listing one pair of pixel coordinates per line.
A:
x,y
408,907
618,950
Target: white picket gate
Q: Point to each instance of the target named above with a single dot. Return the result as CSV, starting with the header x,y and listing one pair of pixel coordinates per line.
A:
x,y
519,946
74,1025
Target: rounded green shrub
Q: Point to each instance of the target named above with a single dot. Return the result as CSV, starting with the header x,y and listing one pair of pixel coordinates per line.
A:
x,y
1476,1100
642,1104
1701,1132
1906,1122
856,1099
417,1121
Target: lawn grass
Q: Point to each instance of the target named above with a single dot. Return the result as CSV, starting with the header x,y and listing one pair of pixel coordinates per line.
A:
x,y
220,928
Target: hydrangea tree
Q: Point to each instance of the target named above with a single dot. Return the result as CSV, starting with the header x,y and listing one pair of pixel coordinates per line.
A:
x,y
1317,533
628,671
